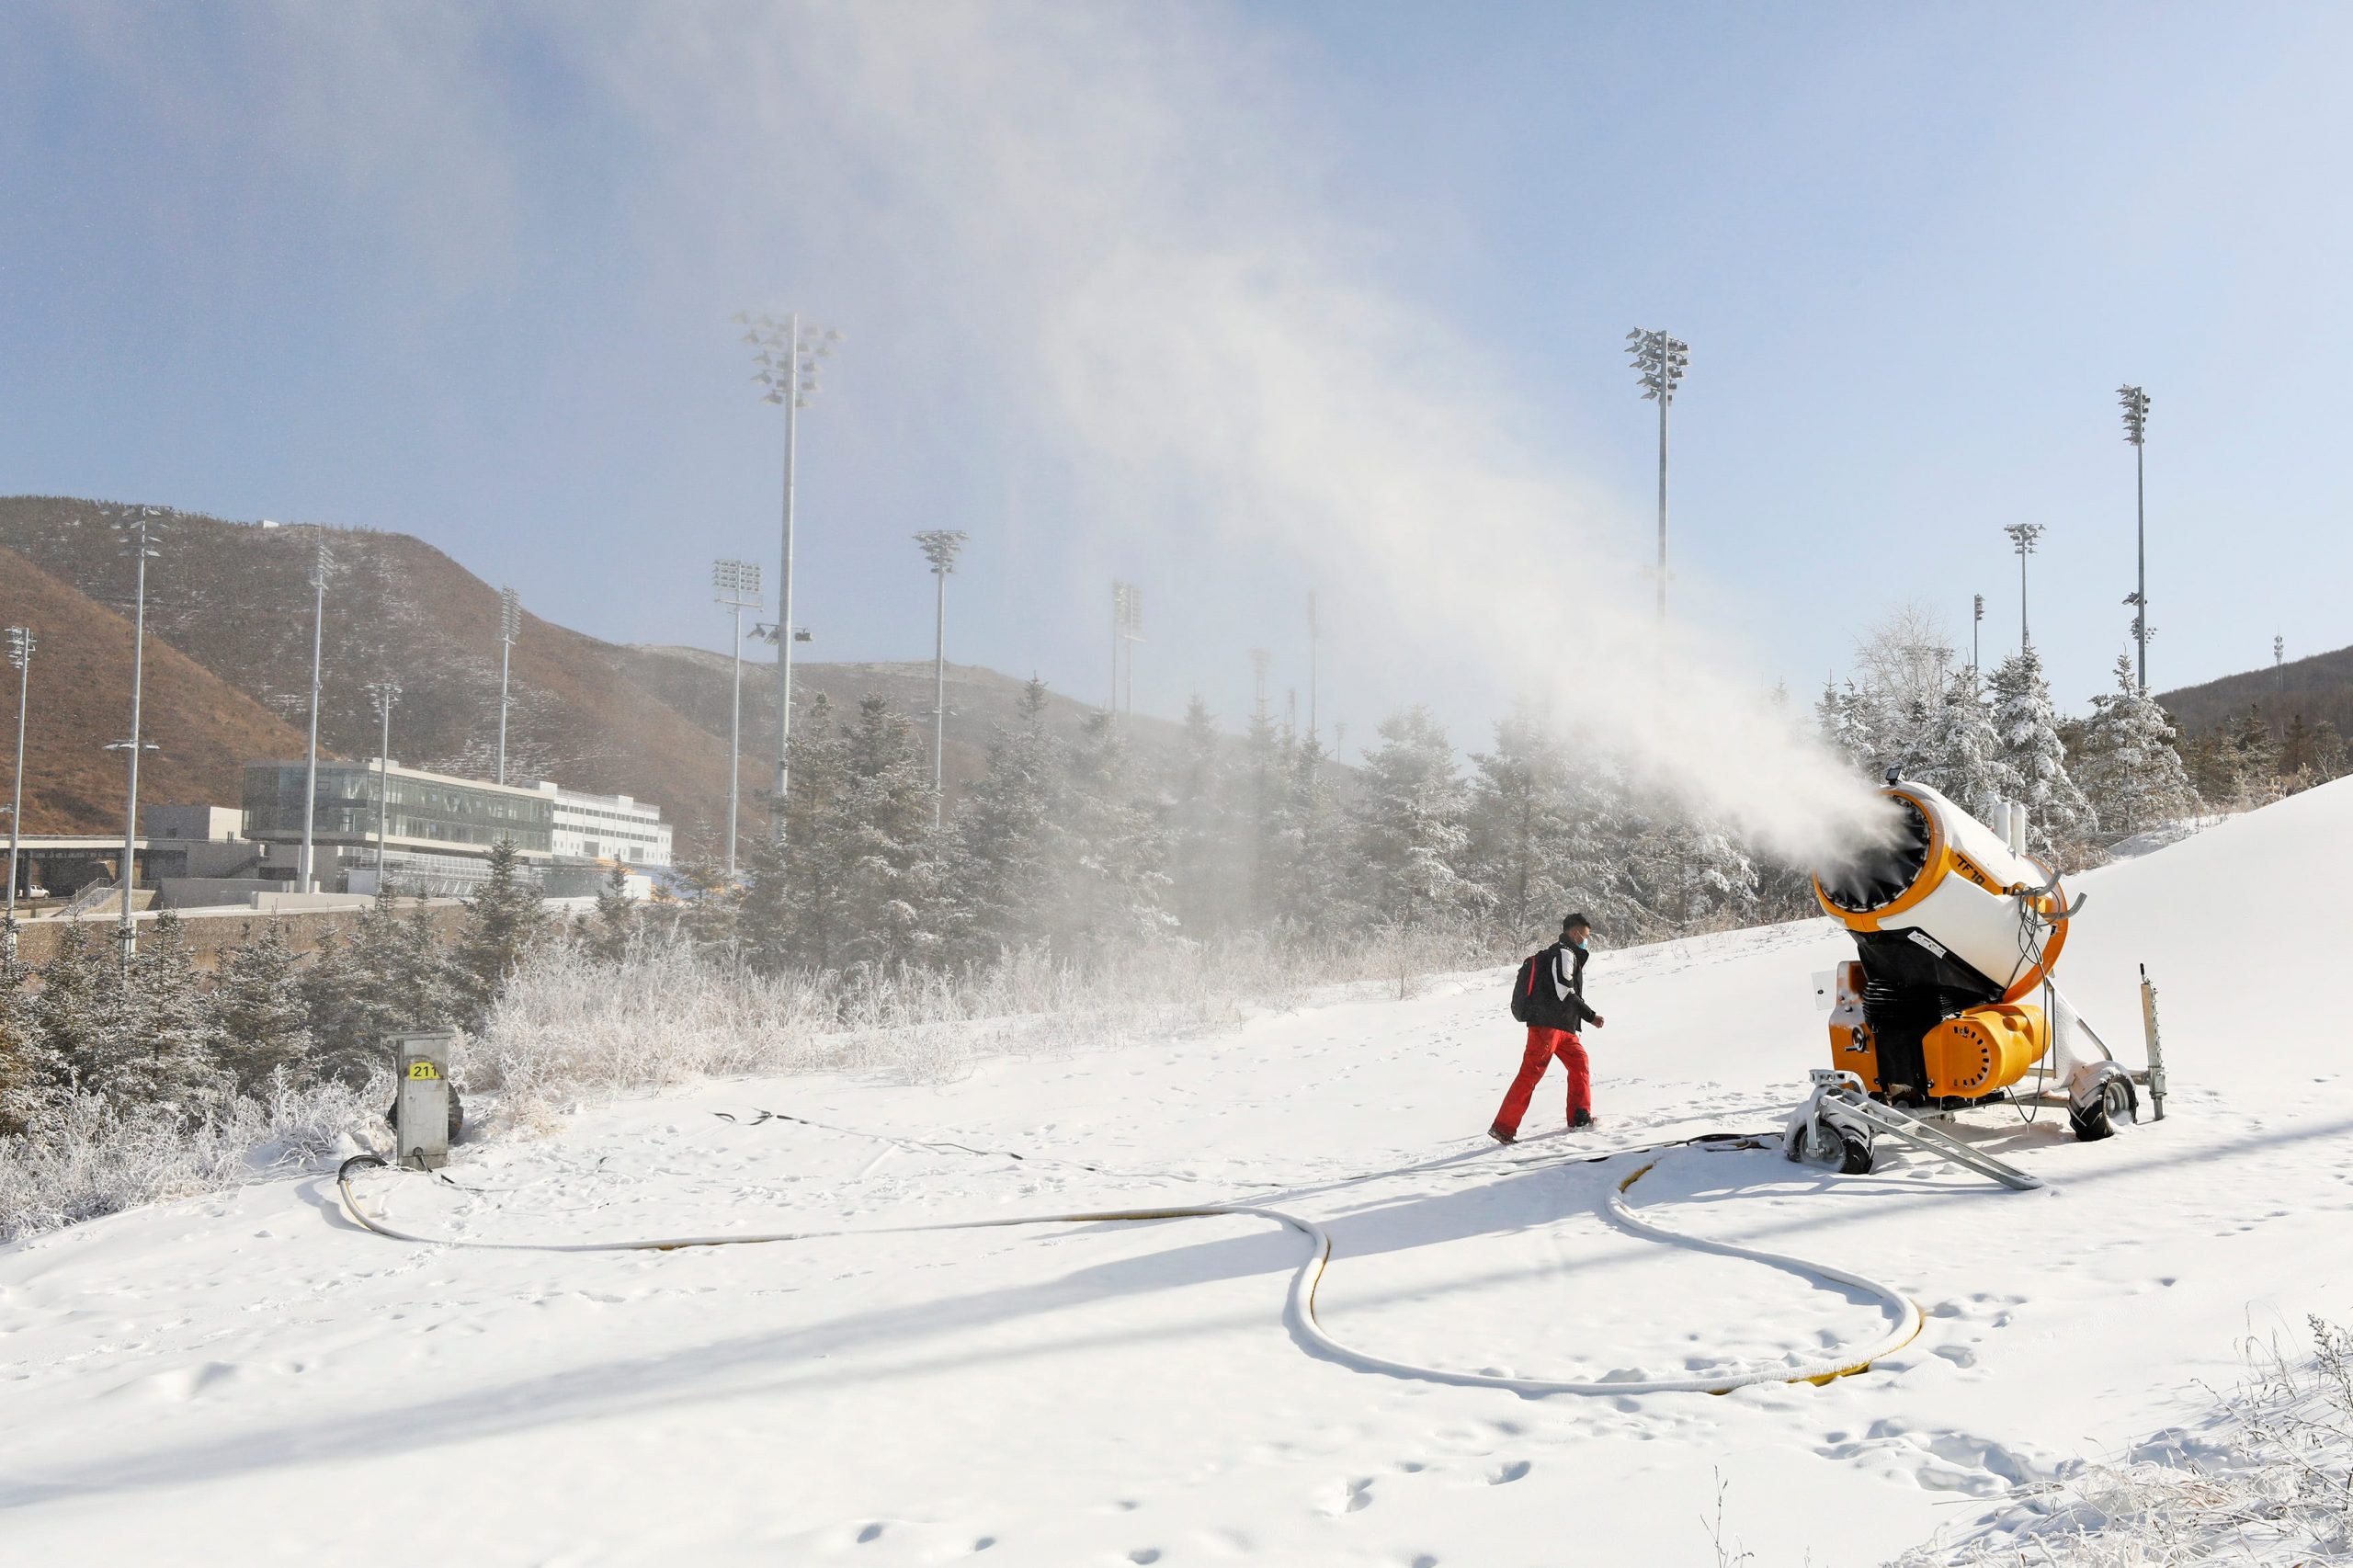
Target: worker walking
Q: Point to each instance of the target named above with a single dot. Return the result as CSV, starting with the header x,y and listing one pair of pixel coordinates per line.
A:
x,y
1548,995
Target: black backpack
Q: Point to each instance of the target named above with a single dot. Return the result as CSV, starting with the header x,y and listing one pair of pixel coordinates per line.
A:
x,y
1523,987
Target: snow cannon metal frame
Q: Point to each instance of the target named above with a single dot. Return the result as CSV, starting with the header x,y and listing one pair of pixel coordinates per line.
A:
x,y
1949,1000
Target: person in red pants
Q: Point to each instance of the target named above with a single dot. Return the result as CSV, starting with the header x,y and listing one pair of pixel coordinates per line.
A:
x,y
1549,996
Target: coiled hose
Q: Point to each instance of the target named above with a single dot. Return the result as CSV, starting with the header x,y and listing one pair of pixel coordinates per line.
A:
x,y
1300,1304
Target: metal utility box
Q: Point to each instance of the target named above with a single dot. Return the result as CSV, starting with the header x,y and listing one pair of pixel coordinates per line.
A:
x,y
421,1113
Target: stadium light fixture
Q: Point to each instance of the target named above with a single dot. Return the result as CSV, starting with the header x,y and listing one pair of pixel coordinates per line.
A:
x,y
786,351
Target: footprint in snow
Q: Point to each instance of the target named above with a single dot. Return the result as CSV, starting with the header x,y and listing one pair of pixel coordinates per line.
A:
x,y
1509,1473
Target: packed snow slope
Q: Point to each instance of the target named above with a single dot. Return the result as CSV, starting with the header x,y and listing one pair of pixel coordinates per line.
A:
x,y
255,1379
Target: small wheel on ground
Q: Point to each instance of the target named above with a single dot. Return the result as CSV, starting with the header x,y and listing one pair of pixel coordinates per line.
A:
x,y
1835,1149
2098,1120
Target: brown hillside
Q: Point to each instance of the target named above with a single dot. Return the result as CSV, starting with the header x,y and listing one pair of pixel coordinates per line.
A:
x,y
696,682
235,598
204,729
2319,688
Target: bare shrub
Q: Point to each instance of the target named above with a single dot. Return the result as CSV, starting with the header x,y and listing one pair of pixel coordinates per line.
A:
x,y
572,1028
2268,1480
82,1156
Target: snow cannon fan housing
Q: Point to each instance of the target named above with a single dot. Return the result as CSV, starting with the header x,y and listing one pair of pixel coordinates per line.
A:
x,y
1953,929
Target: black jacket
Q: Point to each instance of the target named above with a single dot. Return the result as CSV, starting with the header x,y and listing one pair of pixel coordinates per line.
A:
x,y
1547,1008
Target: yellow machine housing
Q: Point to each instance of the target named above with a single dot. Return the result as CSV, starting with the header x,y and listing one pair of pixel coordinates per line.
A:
x,y
1984,1050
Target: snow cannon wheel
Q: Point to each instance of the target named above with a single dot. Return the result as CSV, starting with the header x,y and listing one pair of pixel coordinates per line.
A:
x,y
1835,1149
2098,1120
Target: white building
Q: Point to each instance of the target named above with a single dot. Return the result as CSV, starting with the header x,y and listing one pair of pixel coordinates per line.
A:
x,y
607,827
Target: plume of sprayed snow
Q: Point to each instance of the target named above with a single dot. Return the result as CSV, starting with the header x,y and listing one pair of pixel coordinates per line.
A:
x,y
1137,249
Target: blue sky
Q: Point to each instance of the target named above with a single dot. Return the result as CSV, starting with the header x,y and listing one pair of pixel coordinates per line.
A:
x,y
466,272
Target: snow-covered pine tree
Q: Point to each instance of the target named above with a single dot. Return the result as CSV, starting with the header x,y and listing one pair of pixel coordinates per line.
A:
x,y
155,1041
2130,772
1526,832
1310,846
1204,889
1258,800
792,912
889,861
26,1075
1962,755
2028,727
262,1026
2213,767
2257,757
503,919
610,928
384,975
1005,845
1411,848
1113,876
705,907
1685,873
1857,725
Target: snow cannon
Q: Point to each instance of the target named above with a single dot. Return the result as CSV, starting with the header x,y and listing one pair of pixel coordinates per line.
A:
x,y
1949,1000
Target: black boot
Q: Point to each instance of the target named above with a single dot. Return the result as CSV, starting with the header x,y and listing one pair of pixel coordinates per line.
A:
x,y
1582,1118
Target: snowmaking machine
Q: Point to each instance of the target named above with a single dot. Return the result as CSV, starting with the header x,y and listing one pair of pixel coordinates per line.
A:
x,y
1949,1000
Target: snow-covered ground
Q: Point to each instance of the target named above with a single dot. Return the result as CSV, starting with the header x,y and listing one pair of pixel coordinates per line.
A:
x,y
253,1378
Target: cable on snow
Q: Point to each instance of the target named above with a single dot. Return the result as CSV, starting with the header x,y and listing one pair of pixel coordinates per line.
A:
x,y
1300,1313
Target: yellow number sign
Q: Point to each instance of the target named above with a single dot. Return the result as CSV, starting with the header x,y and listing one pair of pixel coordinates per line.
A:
x,y
422,1069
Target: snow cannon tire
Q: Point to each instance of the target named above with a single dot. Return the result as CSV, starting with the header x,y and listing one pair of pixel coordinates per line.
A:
x,y
1830,1148
2098,1120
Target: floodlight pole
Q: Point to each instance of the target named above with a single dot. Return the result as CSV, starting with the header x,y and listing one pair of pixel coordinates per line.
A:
x,y
939,547
386,693
20,653
737,586
1976,625
2136,430
787,355
305,876
1660,360
734,736
2022,538
137,531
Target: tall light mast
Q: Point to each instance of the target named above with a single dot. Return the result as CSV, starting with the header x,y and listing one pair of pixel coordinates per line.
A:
x,y
784,352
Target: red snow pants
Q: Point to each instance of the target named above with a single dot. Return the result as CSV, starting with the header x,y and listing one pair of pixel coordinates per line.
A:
x,y
1544,1044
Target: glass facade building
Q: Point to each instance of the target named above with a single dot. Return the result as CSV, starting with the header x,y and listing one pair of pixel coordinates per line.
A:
x,y
423,810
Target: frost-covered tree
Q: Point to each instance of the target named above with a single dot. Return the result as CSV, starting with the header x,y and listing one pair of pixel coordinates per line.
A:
x,y
1854,724
2257,756
1411,843
612,927
1204,889
1113,873
1006,839
257,1010
1259,789
1683,872
149,1037
793,912
2028,728
1530,832
2130,771
1309,847
503,918
1961,755
887,861
2213,767
25,1072
386,975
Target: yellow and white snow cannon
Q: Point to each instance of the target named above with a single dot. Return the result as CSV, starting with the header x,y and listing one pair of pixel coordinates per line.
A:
x,y
1949,1002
